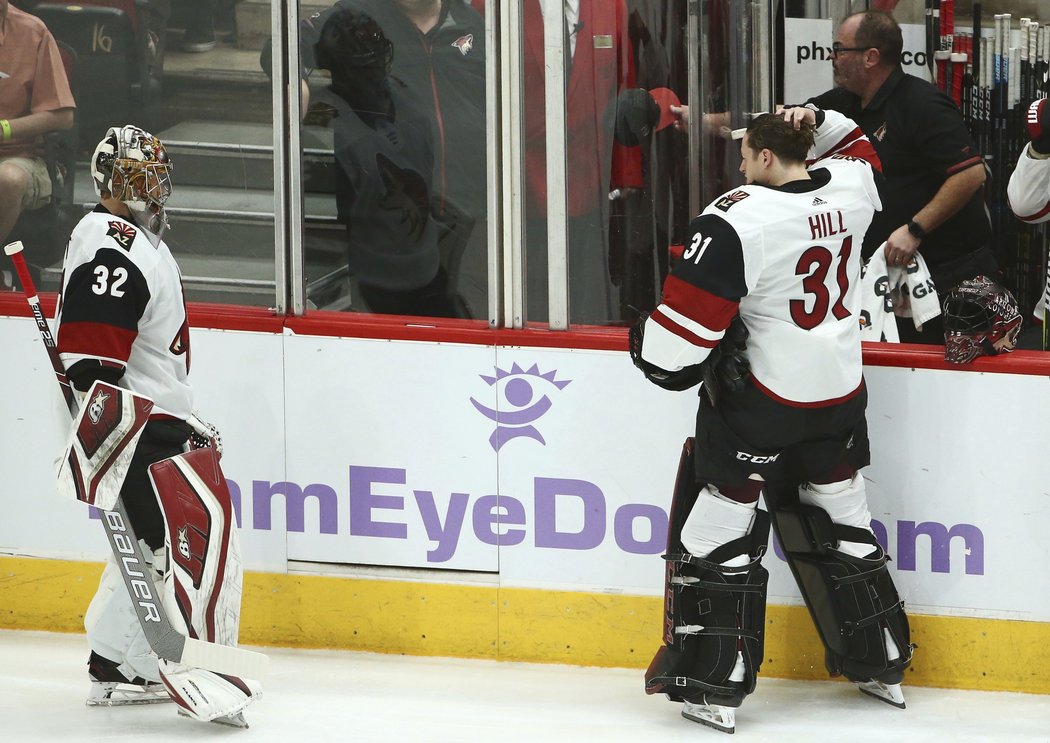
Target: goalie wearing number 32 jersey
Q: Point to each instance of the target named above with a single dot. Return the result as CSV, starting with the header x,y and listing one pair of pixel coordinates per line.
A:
x,y
786,259
123,310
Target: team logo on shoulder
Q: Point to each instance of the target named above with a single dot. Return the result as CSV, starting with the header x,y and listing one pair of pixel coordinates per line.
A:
x,y
123,233
729,199
464,43
880,133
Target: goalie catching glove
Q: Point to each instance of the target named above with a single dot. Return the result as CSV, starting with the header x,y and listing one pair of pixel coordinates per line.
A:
x,y
726,367
204,435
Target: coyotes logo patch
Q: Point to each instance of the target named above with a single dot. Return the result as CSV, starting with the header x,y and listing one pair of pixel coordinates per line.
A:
x,y
123,233
729,199
464,44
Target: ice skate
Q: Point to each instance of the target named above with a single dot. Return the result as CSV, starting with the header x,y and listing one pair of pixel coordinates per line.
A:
x,y
235,720
888,693
713,715
110,688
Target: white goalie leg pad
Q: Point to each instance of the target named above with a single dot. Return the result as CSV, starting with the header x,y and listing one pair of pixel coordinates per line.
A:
x,y
113,627
846,503
203,585
207,696
101,445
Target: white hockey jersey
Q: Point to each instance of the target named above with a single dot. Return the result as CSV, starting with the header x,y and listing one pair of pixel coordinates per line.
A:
x,y
787,260
122,304
1028,192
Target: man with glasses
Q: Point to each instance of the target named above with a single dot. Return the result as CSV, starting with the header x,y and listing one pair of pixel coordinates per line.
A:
x,y
933,172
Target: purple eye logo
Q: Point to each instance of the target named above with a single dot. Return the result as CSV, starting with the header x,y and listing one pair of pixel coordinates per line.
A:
x,y
517,389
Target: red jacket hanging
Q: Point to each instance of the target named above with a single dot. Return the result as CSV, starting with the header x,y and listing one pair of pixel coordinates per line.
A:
x,y
602,66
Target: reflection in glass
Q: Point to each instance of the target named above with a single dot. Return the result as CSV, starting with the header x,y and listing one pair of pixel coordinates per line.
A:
x,y
434,126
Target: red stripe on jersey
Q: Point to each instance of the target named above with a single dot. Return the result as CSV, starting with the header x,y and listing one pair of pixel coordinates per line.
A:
x,y
817,404
699,305
95,339
1035,217
671,326
964,165
864,150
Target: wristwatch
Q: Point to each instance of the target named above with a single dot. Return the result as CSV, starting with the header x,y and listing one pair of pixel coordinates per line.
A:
x,y
916,229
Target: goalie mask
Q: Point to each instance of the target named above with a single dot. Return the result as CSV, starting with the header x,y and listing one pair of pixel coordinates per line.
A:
x,y
133,166
981,318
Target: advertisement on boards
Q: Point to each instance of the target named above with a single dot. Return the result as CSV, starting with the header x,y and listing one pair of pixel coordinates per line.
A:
x,y
549,468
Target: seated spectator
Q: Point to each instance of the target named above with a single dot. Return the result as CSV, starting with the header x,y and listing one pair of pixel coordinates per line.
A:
x,y
34,99
385,158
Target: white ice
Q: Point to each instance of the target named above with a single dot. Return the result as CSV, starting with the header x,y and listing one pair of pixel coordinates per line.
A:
x,y
321,695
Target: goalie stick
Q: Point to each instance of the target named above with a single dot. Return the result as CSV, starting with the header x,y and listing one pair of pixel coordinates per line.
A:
x,y
167,642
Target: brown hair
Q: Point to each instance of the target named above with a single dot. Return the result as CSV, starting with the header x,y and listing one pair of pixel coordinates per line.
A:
x,y
771,132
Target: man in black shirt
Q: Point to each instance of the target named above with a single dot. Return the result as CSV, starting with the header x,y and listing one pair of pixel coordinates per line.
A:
x,y
933,172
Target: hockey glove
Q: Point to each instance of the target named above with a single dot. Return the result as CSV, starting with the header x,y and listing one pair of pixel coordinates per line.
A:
x,y
1038,122
727,368
675,381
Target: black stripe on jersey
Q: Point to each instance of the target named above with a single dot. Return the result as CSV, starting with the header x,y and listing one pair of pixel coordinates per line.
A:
x,y
109,290
713,258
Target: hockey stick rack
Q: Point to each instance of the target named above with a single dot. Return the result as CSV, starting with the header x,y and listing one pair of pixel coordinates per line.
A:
x,y
167,642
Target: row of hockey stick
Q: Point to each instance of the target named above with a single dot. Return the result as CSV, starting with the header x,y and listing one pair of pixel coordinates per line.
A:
x,y
993,75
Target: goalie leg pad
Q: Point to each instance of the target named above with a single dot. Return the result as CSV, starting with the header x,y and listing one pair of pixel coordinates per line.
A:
x,y
852,600
203,584
207,696
712,611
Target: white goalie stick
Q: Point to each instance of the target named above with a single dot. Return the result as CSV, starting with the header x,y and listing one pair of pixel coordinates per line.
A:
x,y
167,642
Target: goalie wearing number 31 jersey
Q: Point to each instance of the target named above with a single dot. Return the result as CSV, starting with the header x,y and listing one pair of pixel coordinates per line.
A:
x,y
764,309
787,260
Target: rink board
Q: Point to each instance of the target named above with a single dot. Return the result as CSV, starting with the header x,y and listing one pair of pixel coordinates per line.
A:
x,y
528,486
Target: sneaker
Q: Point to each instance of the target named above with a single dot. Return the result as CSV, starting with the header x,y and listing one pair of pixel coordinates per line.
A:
x,y
198,41
111,688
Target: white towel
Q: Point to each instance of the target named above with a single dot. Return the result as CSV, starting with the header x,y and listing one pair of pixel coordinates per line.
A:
x,y
907,291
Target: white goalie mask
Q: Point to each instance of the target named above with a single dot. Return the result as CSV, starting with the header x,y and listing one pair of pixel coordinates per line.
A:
x,y
133,166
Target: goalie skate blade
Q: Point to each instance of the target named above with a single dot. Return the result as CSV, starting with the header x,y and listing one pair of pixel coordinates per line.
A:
x,y
889,693
714,716
235,720
106,694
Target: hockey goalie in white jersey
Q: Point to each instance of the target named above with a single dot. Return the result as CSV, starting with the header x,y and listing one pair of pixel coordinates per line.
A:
x,y
123,328
763,309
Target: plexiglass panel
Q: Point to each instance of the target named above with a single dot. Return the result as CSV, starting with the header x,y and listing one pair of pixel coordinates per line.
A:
x,y
188,72
394,132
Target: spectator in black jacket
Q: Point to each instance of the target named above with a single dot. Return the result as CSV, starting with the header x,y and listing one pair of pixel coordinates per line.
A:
x,y
439,61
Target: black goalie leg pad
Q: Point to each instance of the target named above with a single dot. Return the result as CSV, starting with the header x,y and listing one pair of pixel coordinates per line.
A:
x,y
852,600
712,612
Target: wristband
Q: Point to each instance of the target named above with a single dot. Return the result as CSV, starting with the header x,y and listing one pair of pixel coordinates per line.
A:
x,y
916,229
5,127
